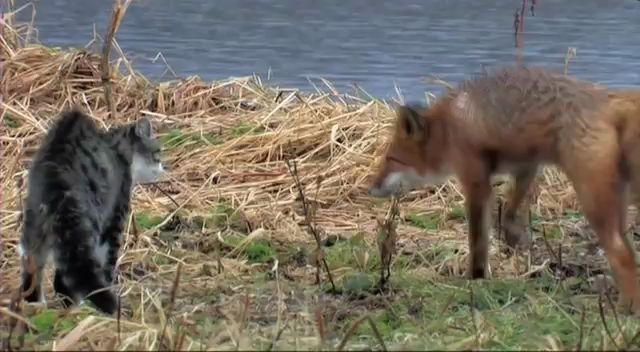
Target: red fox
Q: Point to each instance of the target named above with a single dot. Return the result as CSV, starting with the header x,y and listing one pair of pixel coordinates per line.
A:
x,y
513,121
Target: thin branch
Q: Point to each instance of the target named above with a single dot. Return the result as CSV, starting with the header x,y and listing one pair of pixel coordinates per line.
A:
x,y
604,322
387,238
351,331
319,255
172,299
582,317
119,9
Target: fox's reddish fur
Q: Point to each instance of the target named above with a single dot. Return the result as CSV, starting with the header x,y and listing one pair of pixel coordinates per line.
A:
x,y
513,121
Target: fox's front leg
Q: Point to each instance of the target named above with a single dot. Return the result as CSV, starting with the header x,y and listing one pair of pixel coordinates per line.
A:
x,y
476,183
515,230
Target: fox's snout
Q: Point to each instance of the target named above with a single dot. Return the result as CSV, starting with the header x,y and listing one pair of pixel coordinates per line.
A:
x,y
379,185
377,189
391,178
394,177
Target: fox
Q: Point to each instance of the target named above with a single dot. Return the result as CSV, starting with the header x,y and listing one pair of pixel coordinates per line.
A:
x,y
513,121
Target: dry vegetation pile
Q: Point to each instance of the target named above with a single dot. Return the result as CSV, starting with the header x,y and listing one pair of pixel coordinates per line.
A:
x,y
229,217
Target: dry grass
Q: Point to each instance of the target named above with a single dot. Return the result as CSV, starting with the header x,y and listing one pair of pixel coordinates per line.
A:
x,y
231,221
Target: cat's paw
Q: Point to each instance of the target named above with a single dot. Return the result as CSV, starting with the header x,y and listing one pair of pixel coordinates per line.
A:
x,y
105,301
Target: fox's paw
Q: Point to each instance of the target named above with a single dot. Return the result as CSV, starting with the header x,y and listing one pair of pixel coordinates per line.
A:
x,y
628,306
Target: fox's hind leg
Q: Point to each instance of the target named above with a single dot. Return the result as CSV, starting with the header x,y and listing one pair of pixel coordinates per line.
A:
x,y
78,271
632,161
515,232
600,187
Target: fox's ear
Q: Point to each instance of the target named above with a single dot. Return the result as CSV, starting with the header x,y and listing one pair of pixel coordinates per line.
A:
x,y
411,122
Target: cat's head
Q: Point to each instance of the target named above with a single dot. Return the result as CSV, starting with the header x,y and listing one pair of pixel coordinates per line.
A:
x,y
146,165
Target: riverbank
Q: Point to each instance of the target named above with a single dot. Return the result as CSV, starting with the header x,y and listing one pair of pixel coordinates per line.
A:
x,y
226,228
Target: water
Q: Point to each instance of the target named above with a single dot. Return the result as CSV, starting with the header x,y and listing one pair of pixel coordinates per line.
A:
x,y
373,43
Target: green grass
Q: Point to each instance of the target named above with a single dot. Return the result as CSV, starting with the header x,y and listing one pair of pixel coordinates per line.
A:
x,y
354,253
259,251
510,314
50,323
10,121
222,216
457,213
245,128
147,221
426,222
553,232
177,138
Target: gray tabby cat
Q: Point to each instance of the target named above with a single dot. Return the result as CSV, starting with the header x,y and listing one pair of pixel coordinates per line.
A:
x,y
78,198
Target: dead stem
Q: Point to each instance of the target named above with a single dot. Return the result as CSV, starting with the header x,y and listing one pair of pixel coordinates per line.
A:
x,y
582,318
172,299
119,316
119,9
549,249
604,321
387,239
353,328
472,308
570,55
633,341
615,315
320,325
243,318
319,256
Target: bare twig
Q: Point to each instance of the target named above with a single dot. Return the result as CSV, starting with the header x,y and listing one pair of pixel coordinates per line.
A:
x,y
548,245
119,9
321,326
243,317
582,317
319,254
472,305
615,315
172,299
350,332
377,334
278,335
118,326
387,241
604,322
571,53
634,339
353,328
180,339
518,28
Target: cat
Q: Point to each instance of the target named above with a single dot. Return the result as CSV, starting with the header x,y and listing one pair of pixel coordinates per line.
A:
x,y
78,199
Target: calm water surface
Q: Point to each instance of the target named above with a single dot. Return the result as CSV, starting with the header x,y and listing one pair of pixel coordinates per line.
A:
x,y
373,43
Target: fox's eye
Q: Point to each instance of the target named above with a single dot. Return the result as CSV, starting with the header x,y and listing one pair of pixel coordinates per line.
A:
x,y
394,159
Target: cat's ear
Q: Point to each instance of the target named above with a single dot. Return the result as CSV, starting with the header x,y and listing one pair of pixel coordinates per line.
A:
x,y
143,128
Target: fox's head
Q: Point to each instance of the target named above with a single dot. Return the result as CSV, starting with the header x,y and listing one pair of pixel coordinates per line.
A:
x,y
417,155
